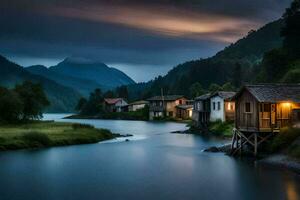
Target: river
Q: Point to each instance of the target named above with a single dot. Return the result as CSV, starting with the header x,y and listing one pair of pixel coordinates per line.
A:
x,y
154,164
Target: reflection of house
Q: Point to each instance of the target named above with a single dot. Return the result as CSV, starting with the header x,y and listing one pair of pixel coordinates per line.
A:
x,y
114,104
137,105
184,111
222,107
266,108
164,106
201,110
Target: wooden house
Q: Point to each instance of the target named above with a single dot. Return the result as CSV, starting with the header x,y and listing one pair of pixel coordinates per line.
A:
x,y
222,106
184,111
114,104
137,105
262,110
267,108
165,106
201,110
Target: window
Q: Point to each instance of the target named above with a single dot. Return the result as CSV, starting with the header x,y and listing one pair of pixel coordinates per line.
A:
x,y
170,114
219,105
265,107
247,107
180,101
214,105
160,103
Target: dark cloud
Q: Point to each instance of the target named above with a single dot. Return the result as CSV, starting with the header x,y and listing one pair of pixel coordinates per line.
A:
x,y
150,33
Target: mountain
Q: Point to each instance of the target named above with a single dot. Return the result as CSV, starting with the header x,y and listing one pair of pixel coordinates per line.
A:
x,y
62,99
246,52
94,71
83,86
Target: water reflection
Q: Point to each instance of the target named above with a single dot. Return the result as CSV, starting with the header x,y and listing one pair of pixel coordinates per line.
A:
x,y
159,166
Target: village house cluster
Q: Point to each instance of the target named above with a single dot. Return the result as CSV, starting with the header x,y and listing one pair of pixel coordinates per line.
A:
x,y
257,111
255,108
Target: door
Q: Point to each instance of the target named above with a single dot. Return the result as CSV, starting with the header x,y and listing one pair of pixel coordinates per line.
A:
x,y
273,115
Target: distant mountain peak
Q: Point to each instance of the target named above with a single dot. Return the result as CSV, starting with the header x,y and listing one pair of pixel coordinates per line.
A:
x,y
80,60
93,70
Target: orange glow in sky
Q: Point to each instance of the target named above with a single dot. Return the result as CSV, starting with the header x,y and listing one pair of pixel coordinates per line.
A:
x,y
172,22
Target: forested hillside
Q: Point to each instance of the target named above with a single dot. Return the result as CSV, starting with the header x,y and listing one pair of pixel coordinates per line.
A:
x,y
236,64
62,99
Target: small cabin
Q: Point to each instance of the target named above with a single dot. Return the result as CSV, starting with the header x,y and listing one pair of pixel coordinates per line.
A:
x,y
267,108
201,110
222,106
114,104
137,105
165,106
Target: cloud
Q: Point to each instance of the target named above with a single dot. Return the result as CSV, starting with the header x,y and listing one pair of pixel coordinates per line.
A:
x,y
163,20
137,32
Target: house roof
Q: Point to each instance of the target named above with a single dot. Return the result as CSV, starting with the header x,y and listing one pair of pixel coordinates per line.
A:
x,y
184,107
112,100
139,102
274,92
203,97
166,98
224,95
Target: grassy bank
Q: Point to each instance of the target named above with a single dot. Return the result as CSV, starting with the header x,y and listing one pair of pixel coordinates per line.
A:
x,y
217,128
46,134
287,141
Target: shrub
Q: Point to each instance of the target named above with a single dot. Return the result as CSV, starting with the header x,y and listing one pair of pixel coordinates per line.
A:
x,y
81,126
221,128
36,137
283,139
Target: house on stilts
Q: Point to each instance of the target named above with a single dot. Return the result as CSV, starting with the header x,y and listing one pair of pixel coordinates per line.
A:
x,y
261,111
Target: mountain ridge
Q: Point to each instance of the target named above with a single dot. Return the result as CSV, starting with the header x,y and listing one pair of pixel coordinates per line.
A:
x,y
93,71
62,98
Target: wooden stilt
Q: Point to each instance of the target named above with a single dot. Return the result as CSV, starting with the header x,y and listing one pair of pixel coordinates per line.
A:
x,y
239,139
255,144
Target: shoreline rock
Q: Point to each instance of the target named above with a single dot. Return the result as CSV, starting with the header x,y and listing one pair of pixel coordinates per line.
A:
x,y
223,149
281,161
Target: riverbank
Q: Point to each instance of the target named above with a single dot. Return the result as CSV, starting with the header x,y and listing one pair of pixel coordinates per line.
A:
x,y
125,116
116,116
285,159
40,134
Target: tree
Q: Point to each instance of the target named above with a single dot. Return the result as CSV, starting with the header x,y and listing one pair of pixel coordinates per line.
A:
x,y
81,103
122,92
109,94
274,65
33,98
11,106
94,105
214,87
227,87
196,90
291,30
237,75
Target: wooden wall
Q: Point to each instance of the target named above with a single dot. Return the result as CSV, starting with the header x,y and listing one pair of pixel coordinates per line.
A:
x,y
247,121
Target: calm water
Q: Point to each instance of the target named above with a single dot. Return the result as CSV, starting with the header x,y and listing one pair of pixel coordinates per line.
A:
x,y
155,164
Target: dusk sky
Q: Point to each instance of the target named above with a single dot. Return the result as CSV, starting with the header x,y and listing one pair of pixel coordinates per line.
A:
x,y
142,38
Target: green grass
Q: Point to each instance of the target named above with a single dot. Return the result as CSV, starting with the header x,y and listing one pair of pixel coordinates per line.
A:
x,y
220,128
45,134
